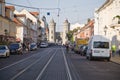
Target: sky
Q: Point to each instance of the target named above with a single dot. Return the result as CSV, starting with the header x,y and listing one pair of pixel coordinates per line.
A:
x,y
76,11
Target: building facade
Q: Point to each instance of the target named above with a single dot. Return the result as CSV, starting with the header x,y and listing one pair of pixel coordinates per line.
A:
x,y
52,31
66,29
7,25
106,22
87,31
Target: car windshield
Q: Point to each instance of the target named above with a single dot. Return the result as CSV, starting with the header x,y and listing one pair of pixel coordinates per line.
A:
x,y
14,45
2,48
32,45
43,43
98,44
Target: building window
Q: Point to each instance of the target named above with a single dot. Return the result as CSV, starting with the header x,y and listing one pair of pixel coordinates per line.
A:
x,y
52,31
116,3
0,8
51,37
11,15
66,37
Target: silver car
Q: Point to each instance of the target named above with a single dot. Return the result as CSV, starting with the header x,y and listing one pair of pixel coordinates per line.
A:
x,y
4,51
43,45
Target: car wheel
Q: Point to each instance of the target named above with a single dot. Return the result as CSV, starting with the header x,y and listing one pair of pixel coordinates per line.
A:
x,y
108,59
8,54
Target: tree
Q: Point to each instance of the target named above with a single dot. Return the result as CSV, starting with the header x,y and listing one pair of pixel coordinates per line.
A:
x,y
70,35
88,20
75,30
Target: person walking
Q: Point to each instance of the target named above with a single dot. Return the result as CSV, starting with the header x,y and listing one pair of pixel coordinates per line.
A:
x,y
113,50
67,48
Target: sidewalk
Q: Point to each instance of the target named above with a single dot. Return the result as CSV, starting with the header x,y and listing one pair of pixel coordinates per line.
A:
x,y
116,59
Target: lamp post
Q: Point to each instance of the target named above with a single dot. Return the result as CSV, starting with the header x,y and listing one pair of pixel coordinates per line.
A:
x,y
105,29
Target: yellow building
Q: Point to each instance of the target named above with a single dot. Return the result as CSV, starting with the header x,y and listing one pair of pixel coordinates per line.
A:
x,y
7,26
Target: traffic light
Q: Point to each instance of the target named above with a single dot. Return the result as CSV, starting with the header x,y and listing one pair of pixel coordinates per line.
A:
x,y
48,13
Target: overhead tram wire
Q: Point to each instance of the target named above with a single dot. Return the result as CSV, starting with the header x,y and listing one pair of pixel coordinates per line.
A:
x,y
39,9
29,3
58,14
32,7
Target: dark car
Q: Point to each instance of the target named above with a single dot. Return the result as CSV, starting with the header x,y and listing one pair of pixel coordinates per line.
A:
x,y
16,48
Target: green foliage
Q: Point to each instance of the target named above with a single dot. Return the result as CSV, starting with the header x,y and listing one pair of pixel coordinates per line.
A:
x,y
117,16
70,35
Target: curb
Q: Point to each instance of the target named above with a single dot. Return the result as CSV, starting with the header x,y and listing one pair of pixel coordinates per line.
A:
x,y
115,60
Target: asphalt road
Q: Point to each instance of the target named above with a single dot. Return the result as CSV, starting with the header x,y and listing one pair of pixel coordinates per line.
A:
x,y
53,63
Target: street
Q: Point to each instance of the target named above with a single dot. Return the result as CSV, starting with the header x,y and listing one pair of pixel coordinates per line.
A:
x,y
53,63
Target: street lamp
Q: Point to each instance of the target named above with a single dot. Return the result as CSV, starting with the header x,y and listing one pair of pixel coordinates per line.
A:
x,y
118,31
105,29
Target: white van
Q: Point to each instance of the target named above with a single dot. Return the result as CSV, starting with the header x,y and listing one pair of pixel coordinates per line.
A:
x,y
98,47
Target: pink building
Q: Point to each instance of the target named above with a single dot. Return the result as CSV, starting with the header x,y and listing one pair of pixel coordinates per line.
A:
x,y
87,31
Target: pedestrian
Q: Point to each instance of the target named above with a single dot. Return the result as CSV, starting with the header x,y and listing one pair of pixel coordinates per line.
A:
x,y
24,46
113,50
67,47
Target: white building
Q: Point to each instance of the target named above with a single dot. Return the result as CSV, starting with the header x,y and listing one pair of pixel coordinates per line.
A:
x,y
34,25
52,28
45,29
66,28
105,21
20,28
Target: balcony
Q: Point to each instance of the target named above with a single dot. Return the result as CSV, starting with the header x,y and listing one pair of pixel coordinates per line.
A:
x,y
115,23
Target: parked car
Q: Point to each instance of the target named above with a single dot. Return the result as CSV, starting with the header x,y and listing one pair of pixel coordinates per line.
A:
x,y
99,47
33,46
43,45
4,51
16,48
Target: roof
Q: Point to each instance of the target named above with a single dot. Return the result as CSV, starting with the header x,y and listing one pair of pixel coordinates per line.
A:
x,y
10,7
18,23
89,24
20,15
34,13
107,3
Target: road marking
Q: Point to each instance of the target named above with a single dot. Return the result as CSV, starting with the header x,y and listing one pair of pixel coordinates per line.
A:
x,y
44,68
17,62
13,78
66,64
